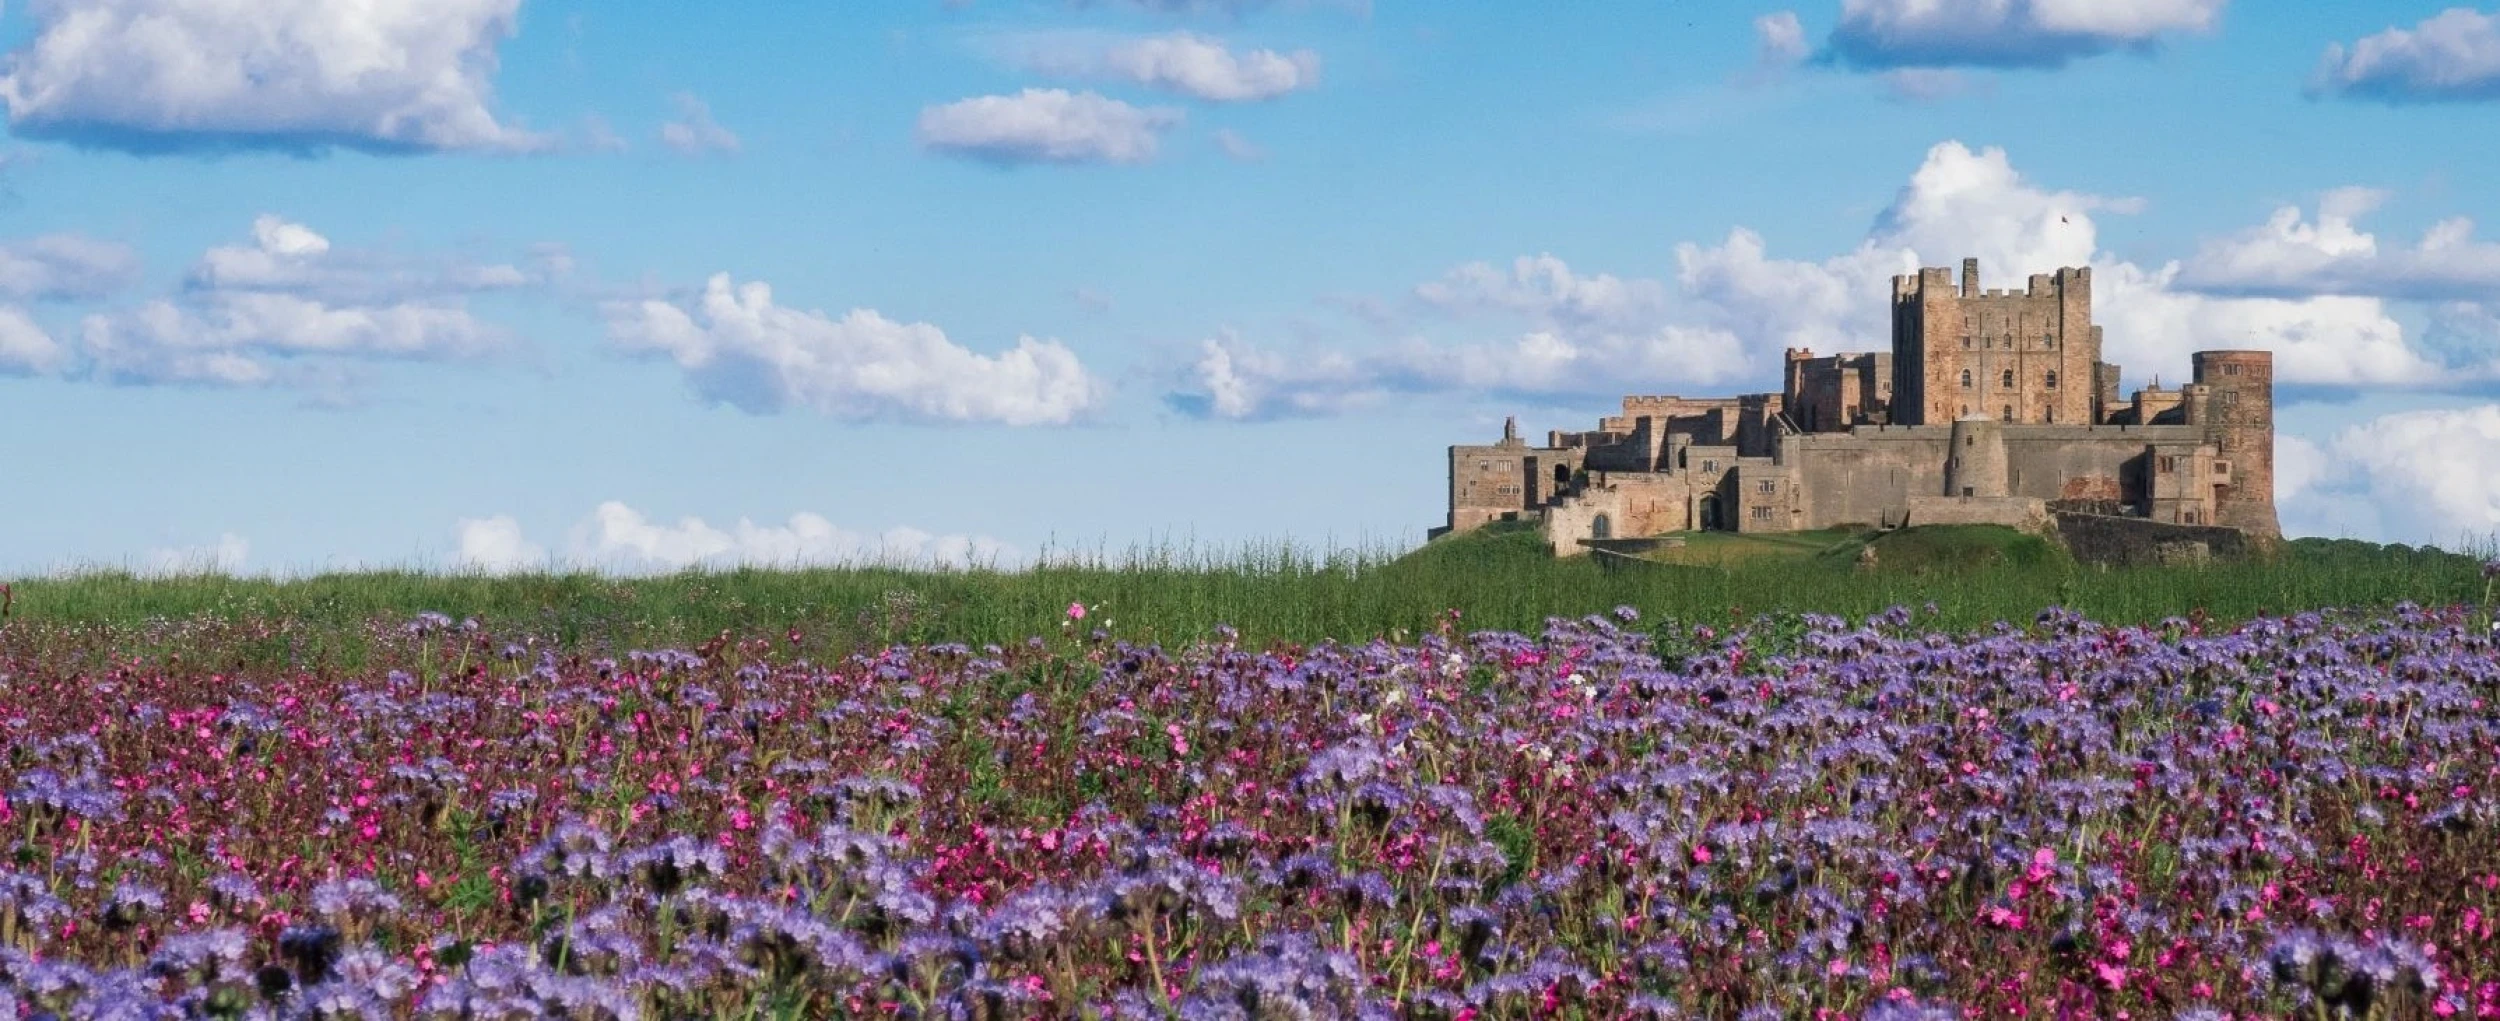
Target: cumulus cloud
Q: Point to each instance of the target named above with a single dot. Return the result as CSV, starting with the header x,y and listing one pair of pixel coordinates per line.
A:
x,y
1237,381
1779,40
2453,55
1183,63
65,267
1961,203
1544,287
694,132
2295,255
25,348
495,545
1046,126
738,347
2431,475
226,556
1732,307
299,75
618,538
247,314
289,258
1884,34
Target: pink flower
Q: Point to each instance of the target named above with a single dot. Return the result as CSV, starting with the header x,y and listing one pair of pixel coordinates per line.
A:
x,y
1076,611
1837,968
1701,855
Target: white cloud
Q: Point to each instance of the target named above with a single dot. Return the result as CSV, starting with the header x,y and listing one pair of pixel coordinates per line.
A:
x,y
2453,55
247,311
1882,34
290,258
227,556
1046,126
1732,308
694,132
495,545
2292,255
620,539
1779,40
1237,148
158,75
25,349
2430,475
1545,288
1183,63
1237,381
738,347
1963,203
65,267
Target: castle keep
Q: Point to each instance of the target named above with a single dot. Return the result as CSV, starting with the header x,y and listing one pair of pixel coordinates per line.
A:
x,y
1993,406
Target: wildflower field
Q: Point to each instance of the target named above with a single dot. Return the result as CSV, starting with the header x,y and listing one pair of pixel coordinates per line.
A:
x,y
1610,815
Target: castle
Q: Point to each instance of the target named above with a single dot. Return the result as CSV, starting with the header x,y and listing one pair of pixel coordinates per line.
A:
x,y
1993,406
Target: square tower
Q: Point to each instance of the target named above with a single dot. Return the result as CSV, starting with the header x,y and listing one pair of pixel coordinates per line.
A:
x,y
2029,356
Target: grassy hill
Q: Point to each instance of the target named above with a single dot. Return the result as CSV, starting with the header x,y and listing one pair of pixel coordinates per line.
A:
x,y
1497,577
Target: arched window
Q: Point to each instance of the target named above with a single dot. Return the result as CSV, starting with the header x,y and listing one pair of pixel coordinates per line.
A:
x,y
1601,528
2052,379
2008,381
1562,475
1965,379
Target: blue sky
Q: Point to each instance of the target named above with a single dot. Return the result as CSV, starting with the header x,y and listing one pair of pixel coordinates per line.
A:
x,y
296,285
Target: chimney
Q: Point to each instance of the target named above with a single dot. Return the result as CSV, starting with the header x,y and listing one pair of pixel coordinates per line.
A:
x,y
1970,278
1510,429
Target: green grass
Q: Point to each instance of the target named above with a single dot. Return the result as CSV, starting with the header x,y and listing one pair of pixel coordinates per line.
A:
x,y
1498,578
1933,548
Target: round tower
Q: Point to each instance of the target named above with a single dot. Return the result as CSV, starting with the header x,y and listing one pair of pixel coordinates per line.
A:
x,y
2239,421
1975,466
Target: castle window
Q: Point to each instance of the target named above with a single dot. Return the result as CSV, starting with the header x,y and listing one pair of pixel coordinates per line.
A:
x,y
1770,487
1710,466
2008,379
2230,370
2052,379
1762,513
2166,464
1965,379
2188,516
2008,416
2230,397
1966,342
2049,416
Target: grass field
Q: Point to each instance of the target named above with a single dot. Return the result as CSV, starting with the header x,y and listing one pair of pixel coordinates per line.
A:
x,y
1499,578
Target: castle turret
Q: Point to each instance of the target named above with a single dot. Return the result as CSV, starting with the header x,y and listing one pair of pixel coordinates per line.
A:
x,y
2239,420
1976,466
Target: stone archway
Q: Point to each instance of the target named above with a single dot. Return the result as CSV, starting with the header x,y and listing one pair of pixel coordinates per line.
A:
x,y
1601,527
1710,519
